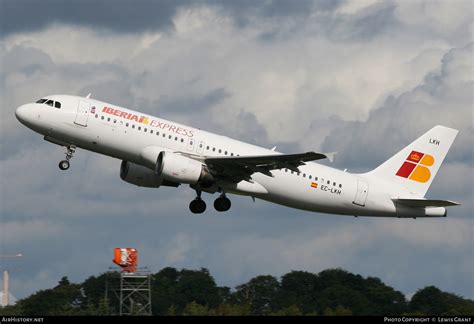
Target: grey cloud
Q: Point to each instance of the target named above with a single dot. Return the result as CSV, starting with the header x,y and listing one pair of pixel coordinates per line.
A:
x,y
247,128
119,15
126,16
193,104
362,26
25,60
244,11
445,97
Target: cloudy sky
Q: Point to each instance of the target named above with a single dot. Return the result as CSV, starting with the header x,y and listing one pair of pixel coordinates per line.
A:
x,y
363,78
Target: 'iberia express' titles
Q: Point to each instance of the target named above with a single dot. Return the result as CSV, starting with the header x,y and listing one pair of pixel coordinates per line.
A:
x,y
145,120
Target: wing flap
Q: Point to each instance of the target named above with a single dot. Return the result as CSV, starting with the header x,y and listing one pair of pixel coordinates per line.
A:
x,y
422,203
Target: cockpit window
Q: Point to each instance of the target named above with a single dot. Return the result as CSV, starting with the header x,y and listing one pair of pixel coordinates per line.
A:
x,y
50,102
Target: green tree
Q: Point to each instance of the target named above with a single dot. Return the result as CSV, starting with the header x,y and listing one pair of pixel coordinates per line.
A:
x,y
338,311
180,288
298,288
384,300
345,296
194,309
64,299
231,310
291,310
432,301
94,289
259,293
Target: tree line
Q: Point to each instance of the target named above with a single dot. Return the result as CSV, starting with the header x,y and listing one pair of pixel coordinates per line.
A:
x,y
195,292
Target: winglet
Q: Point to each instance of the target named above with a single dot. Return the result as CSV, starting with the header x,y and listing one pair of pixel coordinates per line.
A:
x,y
330,156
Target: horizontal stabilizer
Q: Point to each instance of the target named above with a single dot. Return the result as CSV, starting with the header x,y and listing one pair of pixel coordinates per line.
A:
x,y
422,203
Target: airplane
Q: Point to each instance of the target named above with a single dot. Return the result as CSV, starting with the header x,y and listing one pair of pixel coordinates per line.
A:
x,y
159,153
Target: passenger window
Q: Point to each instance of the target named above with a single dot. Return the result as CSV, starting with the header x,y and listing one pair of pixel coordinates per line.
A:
x,y
329,182
145,130
304,175
96,116
334,184
50,103
139,128
340,185
182,140
108,119
225,152
169,136
164,135
126,124
115,121
220,150
133,125
57,104
102,117
207,148
213,149
157,133
310,177
176,138
231,154
151,131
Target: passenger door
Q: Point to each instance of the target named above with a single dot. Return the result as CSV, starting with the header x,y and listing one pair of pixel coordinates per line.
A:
x,y
362,192
82,113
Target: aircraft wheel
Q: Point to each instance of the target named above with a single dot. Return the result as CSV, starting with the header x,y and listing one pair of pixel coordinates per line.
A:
x,y
197,206
64,165
222,204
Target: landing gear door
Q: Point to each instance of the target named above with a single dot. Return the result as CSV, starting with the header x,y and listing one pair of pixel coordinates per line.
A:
x,y
361,193
82,113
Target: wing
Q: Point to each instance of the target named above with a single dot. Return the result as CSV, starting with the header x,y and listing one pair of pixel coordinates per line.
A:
x,y
237,168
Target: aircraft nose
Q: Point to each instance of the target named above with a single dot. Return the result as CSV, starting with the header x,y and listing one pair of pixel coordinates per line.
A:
x,y
21,112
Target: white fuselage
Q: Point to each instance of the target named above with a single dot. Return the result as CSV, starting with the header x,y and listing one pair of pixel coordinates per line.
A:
x,y
124,134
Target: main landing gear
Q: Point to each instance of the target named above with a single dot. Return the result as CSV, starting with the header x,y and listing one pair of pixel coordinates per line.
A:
x,y
222,203
64,164
198,206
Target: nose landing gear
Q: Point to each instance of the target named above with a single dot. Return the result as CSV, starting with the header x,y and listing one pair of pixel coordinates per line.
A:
x,y
64,164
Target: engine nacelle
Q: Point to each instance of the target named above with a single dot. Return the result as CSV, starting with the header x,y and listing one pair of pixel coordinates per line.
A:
x,y
177,168
139,175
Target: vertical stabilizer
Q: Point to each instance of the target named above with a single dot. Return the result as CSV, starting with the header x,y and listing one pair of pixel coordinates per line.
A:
x,y
416,165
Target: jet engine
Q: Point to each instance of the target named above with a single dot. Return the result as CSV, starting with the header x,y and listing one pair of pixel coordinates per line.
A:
x,y
139,175
181,169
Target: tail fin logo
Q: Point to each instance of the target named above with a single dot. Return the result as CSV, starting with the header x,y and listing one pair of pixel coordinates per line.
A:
x,y
416,167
